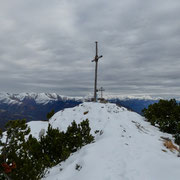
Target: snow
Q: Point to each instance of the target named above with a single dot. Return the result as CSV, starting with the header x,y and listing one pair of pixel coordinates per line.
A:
x,y
36,127
128,147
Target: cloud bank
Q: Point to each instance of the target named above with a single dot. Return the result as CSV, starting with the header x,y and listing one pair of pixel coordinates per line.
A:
x,y
47,46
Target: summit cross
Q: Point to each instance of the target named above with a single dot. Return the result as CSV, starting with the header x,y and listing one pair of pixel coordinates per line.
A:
x,y
96,58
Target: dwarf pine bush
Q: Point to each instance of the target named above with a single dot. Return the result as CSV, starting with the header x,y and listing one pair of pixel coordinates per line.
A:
x,y
165,114
24,157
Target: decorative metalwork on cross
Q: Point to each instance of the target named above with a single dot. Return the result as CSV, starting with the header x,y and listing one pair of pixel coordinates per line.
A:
x,y
96,66
101,90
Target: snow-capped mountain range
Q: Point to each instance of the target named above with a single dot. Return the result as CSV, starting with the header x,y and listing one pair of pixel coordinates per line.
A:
x,y
35,106
44,98
39,98
32,106
128,147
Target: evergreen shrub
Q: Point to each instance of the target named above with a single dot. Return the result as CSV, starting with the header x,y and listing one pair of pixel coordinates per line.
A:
x,y
24,157
166,115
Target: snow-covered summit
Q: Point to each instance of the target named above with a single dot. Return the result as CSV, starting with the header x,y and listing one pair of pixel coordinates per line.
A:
x,y
126,147
39,98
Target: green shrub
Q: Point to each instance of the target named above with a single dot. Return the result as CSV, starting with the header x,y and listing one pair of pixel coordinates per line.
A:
x,y
50,114
32,157
165,114
59,145
78,135
53,146
18,150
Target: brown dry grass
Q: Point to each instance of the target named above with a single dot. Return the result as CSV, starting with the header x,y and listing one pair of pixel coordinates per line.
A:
x,y
169,145
86,112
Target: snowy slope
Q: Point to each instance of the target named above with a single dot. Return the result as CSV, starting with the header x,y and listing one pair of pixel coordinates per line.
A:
x,y
127,149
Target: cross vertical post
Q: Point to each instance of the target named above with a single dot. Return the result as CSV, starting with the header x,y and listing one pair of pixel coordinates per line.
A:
x,y
96,67
101,90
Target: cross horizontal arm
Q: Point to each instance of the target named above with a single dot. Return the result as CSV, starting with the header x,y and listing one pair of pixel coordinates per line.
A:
x,y
101,89
97,58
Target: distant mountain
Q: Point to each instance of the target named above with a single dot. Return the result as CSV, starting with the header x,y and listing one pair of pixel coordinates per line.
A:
x,y
133,103
32,106
136,105
38,98
35,106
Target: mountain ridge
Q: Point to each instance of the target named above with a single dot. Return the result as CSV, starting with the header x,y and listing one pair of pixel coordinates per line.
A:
x,y
35,106
126,147
43,98
39,98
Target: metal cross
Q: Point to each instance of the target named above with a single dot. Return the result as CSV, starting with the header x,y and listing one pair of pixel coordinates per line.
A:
x,y
101,90
96,66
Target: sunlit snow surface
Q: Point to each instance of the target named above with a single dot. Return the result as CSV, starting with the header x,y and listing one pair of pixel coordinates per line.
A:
x,y
128,149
